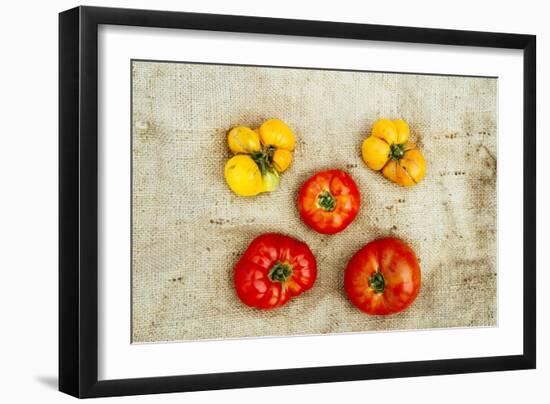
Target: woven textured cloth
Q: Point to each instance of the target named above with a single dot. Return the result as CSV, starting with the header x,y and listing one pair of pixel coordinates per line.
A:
x,y
189,229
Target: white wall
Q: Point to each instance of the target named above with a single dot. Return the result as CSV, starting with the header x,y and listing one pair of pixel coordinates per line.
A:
x,y
28,198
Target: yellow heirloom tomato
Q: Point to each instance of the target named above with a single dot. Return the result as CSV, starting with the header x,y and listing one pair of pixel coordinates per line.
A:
x,y
276,133
261,154
243,140
388,149
243,175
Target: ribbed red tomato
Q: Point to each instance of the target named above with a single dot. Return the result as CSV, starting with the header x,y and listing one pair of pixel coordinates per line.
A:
x,y
383,277
274,269
329,201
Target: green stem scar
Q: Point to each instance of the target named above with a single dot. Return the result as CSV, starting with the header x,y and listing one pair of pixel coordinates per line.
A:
x,y
279,272
397,151
326,201
377,282
264,159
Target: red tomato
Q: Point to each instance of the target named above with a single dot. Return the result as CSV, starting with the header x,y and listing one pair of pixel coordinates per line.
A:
x,y
383,277
329,201
274,269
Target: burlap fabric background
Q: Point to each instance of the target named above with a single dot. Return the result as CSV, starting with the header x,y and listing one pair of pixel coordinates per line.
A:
x,y
189,229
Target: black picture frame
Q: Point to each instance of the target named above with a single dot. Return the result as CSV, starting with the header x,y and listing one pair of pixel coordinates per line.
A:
x,y
78,201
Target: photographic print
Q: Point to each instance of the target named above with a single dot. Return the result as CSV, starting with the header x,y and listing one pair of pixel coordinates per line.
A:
x,y
282,201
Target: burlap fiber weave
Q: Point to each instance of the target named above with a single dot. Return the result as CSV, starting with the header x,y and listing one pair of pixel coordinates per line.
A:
x,y
189,229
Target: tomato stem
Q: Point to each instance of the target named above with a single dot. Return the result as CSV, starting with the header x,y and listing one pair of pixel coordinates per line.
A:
x,y
279,272
377,282
397,151
326,201
264,159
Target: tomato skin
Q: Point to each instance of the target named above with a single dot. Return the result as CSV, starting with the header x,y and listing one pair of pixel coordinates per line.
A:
x,y
254,281
243,175
275,132
344,193
243,140
397,263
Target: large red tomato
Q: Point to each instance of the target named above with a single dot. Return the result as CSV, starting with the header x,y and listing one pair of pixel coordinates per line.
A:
x,y
383,277
274,269
329,201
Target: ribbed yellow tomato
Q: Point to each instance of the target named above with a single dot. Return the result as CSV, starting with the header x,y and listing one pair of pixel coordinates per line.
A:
x,y
261,154
243,175
388,149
